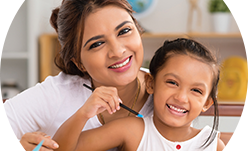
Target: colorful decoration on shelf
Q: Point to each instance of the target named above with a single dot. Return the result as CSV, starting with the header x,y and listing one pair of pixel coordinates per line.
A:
x,y
194,7
233,80
221,16
142,7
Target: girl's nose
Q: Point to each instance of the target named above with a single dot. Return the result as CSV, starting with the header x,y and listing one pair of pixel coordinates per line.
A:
x,y
181,96
116,49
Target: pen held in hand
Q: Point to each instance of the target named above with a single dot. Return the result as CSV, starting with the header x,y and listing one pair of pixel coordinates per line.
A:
x,y
121,105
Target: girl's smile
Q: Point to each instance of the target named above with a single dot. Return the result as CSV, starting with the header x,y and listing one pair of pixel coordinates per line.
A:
x,y
177,110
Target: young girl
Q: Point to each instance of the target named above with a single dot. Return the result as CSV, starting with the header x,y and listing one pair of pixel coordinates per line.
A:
x,y
183,80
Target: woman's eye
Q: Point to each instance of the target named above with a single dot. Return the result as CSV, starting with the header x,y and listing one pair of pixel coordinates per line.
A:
x,y
124,31
197,90
96,44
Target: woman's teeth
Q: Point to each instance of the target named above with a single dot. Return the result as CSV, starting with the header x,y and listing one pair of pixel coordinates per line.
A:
x,y
177,109
120,65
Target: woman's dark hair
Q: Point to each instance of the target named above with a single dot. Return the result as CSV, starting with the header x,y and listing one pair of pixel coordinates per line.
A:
x,y
68,20
196,50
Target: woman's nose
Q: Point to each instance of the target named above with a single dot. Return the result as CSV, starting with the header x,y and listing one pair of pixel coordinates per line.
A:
x,y
116,49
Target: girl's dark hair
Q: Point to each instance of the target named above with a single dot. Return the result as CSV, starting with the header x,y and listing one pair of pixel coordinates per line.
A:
x,y
196,50
68,20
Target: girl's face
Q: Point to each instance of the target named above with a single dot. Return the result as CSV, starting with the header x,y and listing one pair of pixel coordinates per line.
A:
x,y
181,91
112,51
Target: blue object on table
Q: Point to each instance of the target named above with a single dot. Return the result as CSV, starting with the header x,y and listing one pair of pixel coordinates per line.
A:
x,y
5,144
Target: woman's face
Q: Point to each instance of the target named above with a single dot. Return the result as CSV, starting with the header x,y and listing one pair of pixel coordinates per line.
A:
x,y
112,50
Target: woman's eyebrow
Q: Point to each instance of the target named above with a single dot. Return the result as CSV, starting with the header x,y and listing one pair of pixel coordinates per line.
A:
x,y
93,38
101,36
122,24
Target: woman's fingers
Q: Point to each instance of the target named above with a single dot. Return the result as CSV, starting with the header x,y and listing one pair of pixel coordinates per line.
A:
x,y
30,140
110,96
103,98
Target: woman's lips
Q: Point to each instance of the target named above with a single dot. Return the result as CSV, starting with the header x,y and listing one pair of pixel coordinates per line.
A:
x,y
122,65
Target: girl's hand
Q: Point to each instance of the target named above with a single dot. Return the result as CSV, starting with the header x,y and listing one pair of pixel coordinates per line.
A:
x,y
30,140
102,98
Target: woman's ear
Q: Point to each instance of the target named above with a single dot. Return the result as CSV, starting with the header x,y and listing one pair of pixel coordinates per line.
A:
x,y
149,83
80,67
208,104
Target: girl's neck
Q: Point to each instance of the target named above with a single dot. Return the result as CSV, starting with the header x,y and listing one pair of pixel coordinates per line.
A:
x,y
175,134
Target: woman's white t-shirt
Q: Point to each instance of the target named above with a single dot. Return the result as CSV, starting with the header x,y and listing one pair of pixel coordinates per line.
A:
x,y
47,105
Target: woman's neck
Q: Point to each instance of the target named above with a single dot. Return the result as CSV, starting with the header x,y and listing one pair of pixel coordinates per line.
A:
x,y
127,94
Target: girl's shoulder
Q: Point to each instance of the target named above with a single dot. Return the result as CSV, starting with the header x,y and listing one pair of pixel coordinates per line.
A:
x,y
130,124
132,131
220,145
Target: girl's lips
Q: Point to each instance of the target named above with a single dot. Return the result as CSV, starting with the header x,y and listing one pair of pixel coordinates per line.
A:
x,y
177,109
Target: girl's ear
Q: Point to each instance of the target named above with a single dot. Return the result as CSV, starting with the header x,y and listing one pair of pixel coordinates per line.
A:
x,y
149,83
208,104
80,67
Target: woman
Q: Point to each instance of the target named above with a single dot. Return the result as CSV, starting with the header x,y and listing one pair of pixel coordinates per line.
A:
x,y
99,47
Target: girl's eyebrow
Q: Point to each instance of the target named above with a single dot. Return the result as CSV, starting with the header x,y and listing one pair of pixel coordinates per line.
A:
x,y
177,77
101,36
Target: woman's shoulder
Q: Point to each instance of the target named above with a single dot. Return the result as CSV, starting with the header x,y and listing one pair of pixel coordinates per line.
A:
x,y
65,79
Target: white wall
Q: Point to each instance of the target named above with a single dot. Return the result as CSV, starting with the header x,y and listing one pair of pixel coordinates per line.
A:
x,y
171,16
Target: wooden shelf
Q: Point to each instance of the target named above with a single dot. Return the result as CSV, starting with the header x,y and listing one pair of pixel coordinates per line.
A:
x,y
226,110
192,35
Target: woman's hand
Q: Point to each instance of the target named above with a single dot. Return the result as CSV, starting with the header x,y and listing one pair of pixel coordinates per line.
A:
x,y
103,98
30,140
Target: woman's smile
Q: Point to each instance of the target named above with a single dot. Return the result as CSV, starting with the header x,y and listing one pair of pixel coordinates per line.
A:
x,y
122,66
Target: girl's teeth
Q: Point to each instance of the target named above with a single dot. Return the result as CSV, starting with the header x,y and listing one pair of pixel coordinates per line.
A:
x,y
177,109
121,65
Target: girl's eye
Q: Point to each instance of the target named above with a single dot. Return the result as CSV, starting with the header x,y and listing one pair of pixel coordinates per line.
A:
x,y
96,44
172,82
124,31
197,90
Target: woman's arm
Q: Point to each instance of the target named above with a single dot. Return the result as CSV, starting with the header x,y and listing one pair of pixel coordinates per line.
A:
x,y
68,134
103,98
